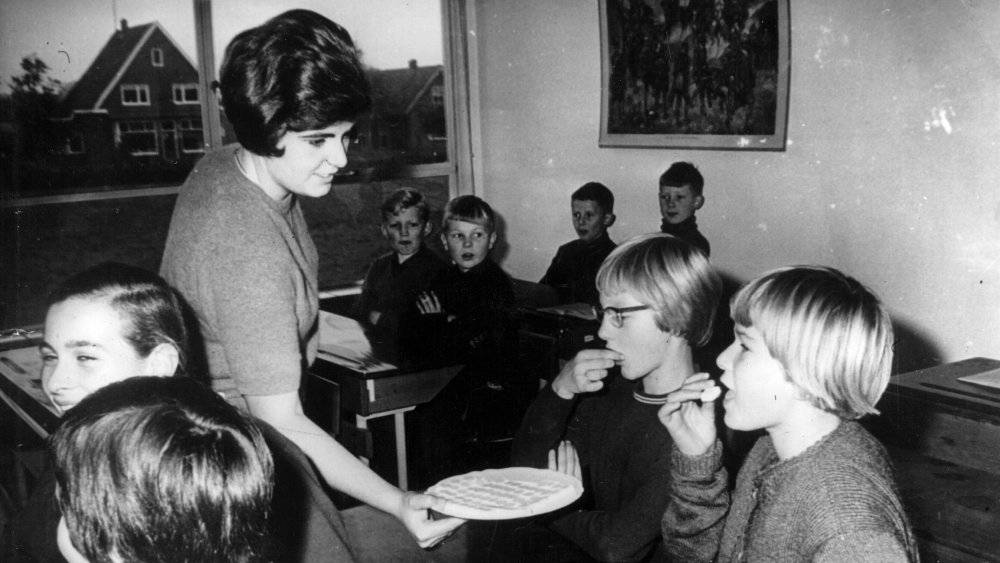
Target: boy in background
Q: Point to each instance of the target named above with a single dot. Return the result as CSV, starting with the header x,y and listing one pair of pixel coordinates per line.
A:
x,y
395,279
469,316
680,196
812,354
575,265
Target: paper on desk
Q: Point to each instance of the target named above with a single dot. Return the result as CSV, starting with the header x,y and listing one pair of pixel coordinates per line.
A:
x,y
579,310
343,341
986,379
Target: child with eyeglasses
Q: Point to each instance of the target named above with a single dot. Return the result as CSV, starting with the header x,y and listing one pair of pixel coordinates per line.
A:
x,y
658,299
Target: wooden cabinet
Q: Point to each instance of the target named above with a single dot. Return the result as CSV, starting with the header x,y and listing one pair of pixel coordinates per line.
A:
x,y
944,437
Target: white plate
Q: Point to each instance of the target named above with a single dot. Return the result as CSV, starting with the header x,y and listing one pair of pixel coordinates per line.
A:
x,y
503,494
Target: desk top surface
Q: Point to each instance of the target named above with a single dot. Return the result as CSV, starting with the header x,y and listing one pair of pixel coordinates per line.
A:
x,y
21,382
941,384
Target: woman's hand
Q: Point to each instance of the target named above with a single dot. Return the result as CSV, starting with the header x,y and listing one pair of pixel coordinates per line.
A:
x,y
428,303
584,373
691,425
564,459
413,514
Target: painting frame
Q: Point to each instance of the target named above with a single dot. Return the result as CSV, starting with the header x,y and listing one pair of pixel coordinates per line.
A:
x,y
732,93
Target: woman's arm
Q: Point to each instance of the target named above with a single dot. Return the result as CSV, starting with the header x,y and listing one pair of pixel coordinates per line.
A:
x,y
346,473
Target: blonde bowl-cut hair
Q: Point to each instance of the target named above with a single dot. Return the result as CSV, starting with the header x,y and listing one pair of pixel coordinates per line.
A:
x,y
669,275
830,332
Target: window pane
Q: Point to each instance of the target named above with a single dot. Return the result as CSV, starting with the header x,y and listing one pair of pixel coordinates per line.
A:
x,y
45,244
403,51
81,68
345,225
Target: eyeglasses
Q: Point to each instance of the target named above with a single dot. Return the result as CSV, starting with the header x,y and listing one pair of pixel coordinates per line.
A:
x,y
614,314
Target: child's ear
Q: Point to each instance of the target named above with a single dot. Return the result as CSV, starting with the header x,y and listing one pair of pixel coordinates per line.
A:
x,y
699,201
609,219
162,361
493,240
384,231
428,228
444,241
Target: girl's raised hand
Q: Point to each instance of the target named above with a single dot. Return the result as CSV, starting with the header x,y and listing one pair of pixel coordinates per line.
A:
x,y
564,459
689,414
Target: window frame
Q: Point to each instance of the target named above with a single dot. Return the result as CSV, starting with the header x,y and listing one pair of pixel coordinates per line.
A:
x,y
183,88
141,91
156,56
460,103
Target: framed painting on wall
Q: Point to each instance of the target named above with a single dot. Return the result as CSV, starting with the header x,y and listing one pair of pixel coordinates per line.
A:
x,y
694,74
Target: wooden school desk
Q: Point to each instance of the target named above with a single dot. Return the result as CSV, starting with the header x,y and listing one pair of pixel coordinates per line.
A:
x,y
370,387
944,437
21,384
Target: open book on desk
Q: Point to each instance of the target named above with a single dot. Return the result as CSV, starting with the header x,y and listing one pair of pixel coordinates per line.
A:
x,y
342,341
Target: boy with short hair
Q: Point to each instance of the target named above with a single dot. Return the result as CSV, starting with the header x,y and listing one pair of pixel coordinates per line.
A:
x,y
161,469
680,196
813,352
575,264
659,296
395,279
470,317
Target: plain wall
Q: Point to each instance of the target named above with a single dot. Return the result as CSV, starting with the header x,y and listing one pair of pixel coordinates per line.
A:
x,y
873,180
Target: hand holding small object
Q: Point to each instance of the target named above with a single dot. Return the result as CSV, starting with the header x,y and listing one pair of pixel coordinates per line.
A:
x,y
585,372
692,425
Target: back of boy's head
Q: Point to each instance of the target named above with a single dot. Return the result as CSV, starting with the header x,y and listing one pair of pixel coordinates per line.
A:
x,y
683,174
596,192
829,331
470,209
163,469
674,278
403,199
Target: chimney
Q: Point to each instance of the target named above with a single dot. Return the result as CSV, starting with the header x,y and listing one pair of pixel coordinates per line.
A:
x,y
124,24
413,64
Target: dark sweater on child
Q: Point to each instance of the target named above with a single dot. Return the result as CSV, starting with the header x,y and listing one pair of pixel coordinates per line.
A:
x,y
574,268
625,453
392,289
687,230
834,502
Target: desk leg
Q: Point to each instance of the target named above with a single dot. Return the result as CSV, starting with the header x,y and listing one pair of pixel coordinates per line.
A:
x,y
402,473
362,423
401,451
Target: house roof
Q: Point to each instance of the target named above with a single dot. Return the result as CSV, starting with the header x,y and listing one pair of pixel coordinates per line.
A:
x,y
90,91
395,91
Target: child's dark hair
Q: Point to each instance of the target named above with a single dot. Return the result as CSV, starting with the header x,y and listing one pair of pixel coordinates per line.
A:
x,y
405,198
470,209
683,174
163,469
596,192
153,311
298,71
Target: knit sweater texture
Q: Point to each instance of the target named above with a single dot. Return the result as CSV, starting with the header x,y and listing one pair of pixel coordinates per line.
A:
x,y
248,267
625,453
574,268
834,502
